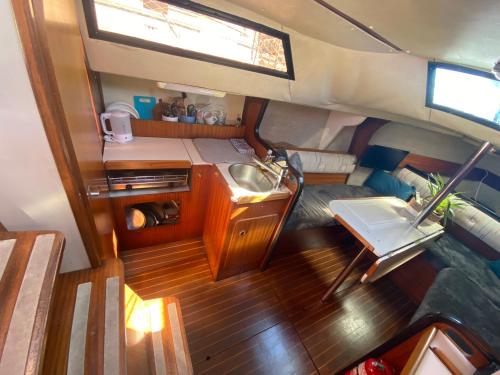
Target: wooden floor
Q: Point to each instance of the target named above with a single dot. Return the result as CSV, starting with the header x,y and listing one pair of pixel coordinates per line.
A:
x,y
272,321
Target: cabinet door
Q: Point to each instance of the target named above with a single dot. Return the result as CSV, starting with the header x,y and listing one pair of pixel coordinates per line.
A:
x,y
248,243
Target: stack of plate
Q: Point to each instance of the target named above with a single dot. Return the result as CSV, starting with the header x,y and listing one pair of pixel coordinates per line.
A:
x,y
122,107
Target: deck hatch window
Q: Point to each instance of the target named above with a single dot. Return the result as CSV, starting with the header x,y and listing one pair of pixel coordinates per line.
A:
x,y
469,93
191,30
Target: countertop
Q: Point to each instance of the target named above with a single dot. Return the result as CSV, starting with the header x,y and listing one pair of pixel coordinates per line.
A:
x,y
145,148
153,149
180,153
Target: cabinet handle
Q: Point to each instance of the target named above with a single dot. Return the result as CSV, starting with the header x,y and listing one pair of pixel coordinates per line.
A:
x,y
241,233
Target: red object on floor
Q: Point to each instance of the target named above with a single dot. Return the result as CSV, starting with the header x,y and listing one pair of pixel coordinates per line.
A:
x,y
372,366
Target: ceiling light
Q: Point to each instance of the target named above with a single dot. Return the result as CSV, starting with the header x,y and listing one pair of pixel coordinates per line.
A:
x,y
190,89
496,69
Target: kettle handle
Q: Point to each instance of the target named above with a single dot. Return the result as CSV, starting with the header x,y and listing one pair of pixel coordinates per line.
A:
x,y
105,116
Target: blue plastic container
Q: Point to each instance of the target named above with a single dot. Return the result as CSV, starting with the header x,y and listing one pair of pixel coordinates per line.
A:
x,y
187,119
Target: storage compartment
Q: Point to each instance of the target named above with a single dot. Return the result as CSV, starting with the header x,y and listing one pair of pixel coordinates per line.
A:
x,y
151,214
182,212
237,236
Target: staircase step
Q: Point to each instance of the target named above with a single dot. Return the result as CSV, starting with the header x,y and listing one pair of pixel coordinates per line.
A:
x,y
29,262
87,330
169,350
156,339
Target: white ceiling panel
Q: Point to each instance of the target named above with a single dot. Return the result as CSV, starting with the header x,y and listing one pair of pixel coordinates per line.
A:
x,y
460,31
312,19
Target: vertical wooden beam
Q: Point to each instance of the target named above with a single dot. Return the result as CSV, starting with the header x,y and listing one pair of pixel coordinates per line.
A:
x,y
363,134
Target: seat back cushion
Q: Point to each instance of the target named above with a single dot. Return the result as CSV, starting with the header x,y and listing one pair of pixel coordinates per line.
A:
x,y
386,184
325,162
470,218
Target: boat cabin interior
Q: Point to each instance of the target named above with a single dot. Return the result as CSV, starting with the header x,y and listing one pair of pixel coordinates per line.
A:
x,y
249,187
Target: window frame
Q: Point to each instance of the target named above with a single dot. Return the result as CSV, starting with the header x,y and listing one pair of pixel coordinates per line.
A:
x,y
431,78
95,33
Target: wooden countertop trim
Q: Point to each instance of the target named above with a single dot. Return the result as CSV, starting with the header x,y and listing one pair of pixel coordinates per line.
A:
x,y
146,164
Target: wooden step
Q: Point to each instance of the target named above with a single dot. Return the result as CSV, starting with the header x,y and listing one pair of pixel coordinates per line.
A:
x,y
168,347
29,262
87,330
156,339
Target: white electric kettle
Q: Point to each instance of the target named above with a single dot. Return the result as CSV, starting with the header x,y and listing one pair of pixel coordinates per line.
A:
x,y
121,130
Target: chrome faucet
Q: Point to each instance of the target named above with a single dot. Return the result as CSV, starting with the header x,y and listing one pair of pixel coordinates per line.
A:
x,y
277,167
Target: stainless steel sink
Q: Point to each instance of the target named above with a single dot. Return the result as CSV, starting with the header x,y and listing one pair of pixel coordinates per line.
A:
x,y
250,177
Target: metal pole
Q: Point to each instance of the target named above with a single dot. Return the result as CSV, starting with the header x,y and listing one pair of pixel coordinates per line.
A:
x,y
452,182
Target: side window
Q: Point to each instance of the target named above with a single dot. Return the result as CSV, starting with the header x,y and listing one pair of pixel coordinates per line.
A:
x,y
192,30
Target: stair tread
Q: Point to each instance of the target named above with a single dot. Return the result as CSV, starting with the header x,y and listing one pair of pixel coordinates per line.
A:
x,y
98,356
29,262
156,339
167,331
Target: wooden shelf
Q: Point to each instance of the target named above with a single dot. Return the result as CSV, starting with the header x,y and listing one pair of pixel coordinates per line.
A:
x,y
167,129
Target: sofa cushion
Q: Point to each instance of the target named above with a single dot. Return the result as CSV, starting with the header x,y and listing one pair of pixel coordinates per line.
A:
x,y
411,178
386,184
325,162
456,255
476,222
479,224
454,294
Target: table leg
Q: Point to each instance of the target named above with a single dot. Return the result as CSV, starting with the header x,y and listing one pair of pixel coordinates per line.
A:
x,y
343,275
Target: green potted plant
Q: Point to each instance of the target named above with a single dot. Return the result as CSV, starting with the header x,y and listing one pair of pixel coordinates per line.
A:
x,y
170,114
445,209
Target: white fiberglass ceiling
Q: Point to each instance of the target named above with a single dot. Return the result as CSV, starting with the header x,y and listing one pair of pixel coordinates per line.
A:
x,y
460,31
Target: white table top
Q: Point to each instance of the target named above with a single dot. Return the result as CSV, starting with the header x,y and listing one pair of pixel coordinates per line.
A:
x,y
384,222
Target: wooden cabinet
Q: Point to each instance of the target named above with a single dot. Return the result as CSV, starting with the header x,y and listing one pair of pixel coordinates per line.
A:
x,y
192,206
237,236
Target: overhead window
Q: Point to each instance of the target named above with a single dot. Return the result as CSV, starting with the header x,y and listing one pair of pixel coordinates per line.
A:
x,y
469,93
188,29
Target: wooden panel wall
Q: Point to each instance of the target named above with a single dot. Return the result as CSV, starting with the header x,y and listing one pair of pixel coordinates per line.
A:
x,y
363,134
253,112
325,178
192,207
165,129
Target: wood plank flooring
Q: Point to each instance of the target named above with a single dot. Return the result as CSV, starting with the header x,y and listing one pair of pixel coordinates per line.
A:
x,y
272,321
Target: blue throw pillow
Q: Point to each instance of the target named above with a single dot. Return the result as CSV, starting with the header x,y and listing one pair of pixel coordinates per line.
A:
x,y
386,184
495,267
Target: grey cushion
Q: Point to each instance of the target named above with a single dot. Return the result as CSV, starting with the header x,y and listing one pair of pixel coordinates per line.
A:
x,y
454,294
455,254
312,209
